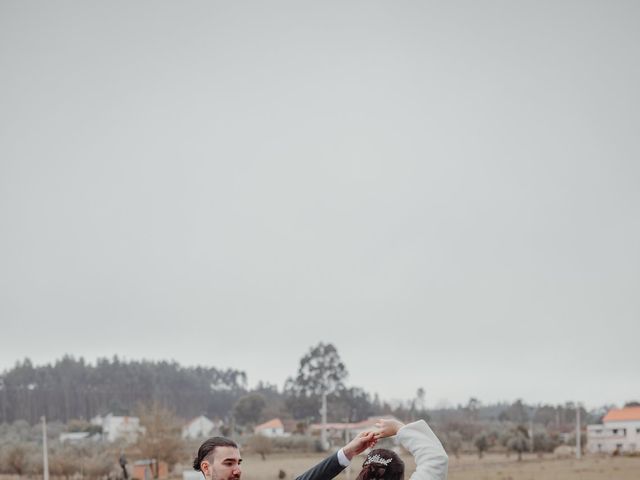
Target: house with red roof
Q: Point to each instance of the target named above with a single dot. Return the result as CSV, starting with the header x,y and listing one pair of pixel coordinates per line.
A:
x,y
619,432
272,428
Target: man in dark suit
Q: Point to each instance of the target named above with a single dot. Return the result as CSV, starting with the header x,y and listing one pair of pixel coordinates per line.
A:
x,y
219,459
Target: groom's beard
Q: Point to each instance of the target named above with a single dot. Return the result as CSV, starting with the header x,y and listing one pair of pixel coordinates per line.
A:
x,y
228,476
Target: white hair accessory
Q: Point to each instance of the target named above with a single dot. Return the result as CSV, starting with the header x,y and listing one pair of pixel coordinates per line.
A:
x,y
377,459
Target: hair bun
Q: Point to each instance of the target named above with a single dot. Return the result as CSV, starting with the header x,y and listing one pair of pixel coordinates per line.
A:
x,y
375,471
382,464
379,471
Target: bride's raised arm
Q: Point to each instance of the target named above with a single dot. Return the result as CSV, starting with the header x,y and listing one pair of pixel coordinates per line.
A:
x,y
417,437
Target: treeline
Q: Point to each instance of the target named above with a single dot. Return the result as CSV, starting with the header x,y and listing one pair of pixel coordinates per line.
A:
x,y
555,417
71,388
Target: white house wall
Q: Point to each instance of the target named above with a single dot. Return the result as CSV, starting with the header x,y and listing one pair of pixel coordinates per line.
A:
x,y
626,438
199,428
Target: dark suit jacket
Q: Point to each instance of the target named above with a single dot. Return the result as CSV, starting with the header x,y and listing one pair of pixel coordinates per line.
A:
x,y
325,470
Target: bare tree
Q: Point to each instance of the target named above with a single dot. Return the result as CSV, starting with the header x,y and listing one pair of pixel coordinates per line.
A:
x,y
16,459
518,441
260,444
64,463
162,438
99,466
482,444
453,443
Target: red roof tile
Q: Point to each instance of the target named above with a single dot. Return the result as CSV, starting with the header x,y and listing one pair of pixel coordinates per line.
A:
x,y
622,414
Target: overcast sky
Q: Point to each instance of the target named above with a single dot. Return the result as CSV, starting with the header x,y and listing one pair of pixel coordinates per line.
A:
x,y
448,193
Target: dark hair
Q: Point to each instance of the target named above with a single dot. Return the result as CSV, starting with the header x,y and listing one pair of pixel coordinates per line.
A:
x,y
209,446
376,470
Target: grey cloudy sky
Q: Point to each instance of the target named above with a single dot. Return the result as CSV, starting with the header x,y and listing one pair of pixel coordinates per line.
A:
x,y
448,192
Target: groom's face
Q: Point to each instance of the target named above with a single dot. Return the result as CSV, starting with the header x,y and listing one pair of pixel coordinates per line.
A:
x,y
223,464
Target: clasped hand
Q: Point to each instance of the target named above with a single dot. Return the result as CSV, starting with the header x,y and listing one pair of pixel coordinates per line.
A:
x,y
368,439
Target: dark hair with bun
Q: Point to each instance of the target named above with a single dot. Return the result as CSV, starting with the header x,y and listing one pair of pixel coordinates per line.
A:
x,y
382,464
209,446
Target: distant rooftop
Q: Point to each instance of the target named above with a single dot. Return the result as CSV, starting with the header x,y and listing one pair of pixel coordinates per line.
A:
x,y
274,423
622,414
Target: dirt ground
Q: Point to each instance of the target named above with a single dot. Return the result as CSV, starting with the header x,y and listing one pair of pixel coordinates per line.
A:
x,y
533,468
469,467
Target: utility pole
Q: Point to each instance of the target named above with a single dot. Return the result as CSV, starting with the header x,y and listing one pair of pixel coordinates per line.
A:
x,y
45,454
532,414
323,412
531,435
232,433
578,433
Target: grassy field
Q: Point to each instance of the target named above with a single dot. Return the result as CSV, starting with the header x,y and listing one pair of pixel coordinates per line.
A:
x,y
491,467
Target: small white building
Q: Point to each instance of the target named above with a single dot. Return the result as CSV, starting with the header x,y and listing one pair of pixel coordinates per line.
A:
x,y
619,431
74,437
118,428
272,428
199,427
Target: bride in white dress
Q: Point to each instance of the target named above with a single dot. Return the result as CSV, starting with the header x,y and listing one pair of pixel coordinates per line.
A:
x,y
431,459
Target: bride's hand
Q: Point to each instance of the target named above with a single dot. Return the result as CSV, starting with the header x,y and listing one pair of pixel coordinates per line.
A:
x,y
387,428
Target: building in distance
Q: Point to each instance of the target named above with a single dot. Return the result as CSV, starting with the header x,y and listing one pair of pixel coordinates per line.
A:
x,y
618,433
201,427
272,428
118,428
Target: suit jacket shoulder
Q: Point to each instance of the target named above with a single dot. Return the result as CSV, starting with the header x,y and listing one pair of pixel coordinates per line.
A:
x,y
325,470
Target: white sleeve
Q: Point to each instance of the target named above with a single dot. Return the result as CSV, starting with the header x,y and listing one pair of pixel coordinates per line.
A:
x,y
342,458
431,460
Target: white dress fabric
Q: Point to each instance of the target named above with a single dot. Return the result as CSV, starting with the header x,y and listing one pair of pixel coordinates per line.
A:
x,y
432,461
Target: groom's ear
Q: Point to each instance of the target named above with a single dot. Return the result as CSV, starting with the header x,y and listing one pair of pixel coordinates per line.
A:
x,y
204,467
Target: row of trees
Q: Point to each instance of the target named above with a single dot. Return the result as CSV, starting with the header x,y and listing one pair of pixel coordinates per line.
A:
x,y
320,371
64,461
71,388
511,439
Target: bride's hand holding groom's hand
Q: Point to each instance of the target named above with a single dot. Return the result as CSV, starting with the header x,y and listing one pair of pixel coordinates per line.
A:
x,y
387,428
